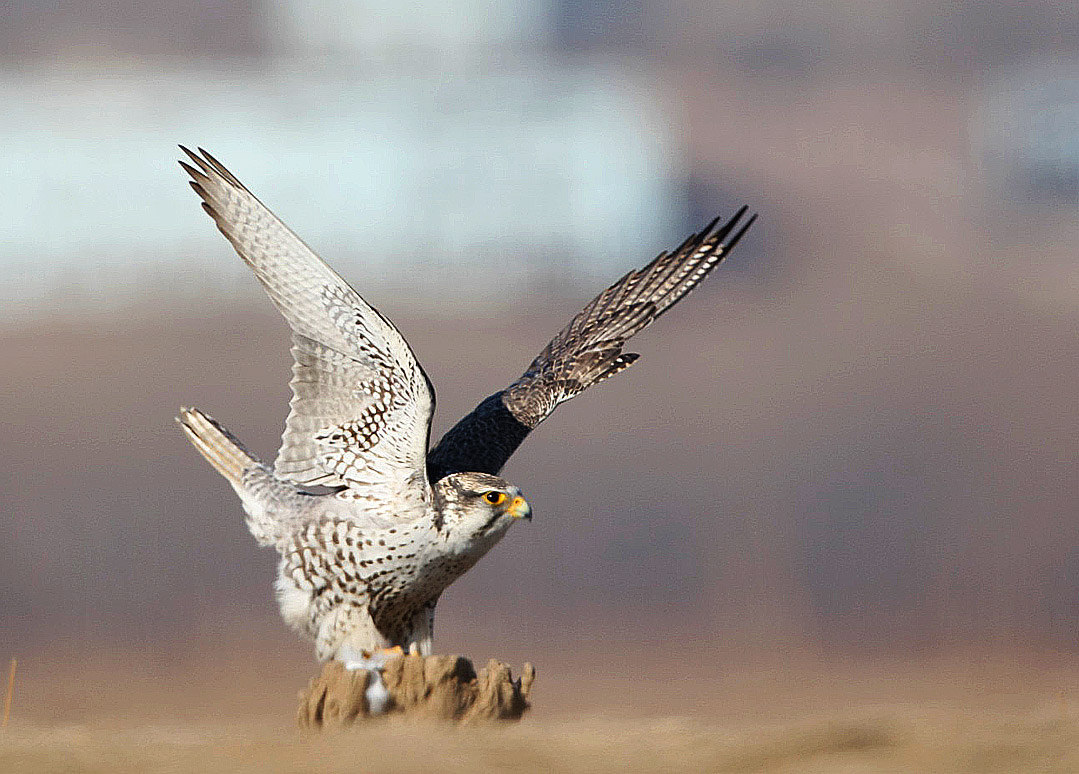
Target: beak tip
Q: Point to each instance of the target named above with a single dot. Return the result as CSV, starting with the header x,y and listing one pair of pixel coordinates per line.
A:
x,y
521,509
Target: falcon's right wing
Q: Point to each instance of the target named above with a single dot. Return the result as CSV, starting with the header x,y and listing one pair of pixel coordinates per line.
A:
x,y
361,408
585,352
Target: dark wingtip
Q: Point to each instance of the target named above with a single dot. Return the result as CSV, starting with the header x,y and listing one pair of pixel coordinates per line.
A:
x,y
220,168
196,175
741,232
729,226
191,155
712,226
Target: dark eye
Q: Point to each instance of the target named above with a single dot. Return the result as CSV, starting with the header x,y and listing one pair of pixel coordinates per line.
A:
x,y
495,498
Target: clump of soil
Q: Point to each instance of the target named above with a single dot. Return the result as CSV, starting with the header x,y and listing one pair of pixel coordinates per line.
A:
x,y
429,687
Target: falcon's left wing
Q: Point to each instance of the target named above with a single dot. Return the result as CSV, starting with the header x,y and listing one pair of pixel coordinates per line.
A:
x,y
585,352
361,408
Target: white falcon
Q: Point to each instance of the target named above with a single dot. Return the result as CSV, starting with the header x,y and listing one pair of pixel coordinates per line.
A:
x,y
370,525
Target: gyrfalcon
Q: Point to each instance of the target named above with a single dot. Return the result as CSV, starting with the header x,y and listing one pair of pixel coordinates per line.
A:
x,y
371,526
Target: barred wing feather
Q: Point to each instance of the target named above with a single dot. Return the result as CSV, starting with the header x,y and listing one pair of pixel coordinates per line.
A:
x,y
587,351
361,407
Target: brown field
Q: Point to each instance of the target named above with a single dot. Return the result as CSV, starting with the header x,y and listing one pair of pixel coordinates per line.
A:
x,y
643,710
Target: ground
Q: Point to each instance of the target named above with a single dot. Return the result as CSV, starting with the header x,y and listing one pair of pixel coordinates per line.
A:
x,y
592,712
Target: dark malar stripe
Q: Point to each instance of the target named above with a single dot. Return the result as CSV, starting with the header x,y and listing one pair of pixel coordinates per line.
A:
x,y
490,523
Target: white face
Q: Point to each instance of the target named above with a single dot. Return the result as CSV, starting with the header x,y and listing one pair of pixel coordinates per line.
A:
x,y
485,506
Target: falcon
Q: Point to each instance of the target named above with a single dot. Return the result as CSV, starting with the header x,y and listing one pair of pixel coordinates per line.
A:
x,y
370,524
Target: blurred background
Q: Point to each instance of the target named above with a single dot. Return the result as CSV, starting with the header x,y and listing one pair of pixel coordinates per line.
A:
x,y
860,436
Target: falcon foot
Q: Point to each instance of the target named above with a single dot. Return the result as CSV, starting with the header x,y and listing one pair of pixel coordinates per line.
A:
x,y
429,687
374,659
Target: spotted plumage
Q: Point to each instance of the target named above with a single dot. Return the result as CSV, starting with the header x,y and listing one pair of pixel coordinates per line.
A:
x,y
372,526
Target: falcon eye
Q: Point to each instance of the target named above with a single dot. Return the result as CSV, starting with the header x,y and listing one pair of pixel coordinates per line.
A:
x,y
495,498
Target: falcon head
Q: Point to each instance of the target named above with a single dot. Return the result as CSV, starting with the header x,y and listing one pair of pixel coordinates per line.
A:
x,y
474,506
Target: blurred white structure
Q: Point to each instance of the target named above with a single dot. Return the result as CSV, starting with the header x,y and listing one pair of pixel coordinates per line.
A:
x,y
1027,132
347,27
494,158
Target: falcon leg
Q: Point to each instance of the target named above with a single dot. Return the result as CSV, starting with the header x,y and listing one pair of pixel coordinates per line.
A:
x,y
378,697
421,631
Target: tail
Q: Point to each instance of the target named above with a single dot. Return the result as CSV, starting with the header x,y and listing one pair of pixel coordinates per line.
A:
x,y
220,447
266,499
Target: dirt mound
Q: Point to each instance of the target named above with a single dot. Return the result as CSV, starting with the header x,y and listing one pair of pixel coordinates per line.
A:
x,y
432,687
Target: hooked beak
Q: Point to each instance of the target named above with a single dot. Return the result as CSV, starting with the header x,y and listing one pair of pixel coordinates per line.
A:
x,y
520,509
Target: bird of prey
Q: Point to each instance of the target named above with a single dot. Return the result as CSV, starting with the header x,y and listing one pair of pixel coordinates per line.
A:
x,y
372,526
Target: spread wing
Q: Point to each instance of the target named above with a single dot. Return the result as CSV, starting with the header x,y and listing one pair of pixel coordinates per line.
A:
x,y
585,352
361,408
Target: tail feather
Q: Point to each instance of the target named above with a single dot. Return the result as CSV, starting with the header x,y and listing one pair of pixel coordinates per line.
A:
x,y
220,447
265,497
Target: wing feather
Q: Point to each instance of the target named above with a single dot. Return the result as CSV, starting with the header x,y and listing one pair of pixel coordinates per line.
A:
x,y
361,407
585,352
